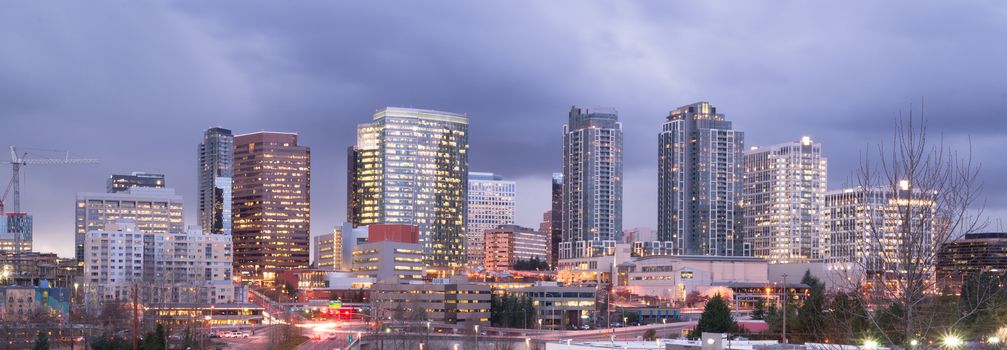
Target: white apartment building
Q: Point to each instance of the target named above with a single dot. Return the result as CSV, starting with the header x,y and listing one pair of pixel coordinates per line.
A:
x,y
153,210
490,204
863,226
784,201
167,268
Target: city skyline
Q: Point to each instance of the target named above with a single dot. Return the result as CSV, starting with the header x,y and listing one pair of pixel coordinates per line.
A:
x,y
783,86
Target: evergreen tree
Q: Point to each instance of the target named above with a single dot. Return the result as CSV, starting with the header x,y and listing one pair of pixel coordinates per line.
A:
x,y
716,318
810,323
759,311
41,341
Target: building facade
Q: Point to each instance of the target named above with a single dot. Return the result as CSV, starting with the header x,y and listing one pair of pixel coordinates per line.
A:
x,y
121,183
555,218
391,254
508,244
592,187
272,211
451,301
864,231
172,267
968,257
216,170
784,201
334,251
154,210
410,166
15,233
700,182
557,306
490,204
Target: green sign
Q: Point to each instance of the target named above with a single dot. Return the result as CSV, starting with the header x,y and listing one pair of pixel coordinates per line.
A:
x,y
335,304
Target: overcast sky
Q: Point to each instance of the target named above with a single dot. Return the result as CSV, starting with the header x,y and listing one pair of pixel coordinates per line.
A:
x,y
136,83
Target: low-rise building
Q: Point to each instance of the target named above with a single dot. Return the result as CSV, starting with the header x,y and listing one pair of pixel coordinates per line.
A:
x,y
560,307
675,276
334,251
970,256
32,303
203,316
508,244
392,254
30,268
450,301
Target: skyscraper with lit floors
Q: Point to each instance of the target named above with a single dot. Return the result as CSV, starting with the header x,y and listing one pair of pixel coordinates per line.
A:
x,y
592,188
410,166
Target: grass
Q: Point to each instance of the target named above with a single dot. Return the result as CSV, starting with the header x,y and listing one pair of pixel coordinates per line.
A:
x,y
292,343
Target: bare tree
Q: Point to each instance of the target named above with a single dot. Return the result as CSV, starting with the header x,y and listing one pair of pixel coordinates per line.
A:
x,y
915,194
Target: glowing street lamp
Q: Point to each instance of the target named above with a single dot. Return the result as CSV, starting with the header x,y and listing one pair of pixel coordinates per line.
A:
x,y
993,340
870,344
952,341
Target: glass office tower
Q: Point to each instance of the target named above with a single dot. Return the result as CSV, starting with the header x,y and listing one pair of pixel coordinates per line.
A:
x,y
410,166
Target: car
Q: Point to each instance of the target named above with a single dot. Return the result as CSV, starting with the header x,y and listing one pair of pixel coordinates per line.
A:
x,y
585,327
214,335
332,336
316,337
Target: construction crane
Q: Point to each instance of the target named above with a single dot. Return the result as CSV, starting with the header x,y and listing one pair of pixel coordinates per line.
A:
x,y
24,159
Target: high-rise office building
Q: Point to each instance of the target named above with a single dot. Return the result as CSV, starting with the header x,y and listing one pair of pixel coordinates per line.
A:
x,y
592,187
555,219
971,256
490,204
272,215
864,231
155,210
411,167
121,183
784,201
216,168
700,179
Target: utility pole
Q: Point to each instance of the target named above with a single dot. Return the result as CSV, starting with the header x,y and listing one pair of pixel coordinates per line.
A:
x,y
135,319
785,300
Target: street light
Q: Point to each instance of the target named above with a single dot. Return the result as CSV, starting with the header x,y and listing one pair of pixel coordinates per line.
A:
x,y
527,343
477,335
993,340
952,341
540,324
870,344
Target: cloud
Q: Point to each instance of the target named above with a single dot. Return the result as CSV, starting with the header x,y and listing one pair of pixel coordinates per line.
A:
x,y
136,83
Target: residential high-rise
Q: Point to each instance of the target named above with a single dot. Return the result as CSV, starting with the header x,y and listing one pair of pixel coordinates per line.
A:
x,y
169,268
335,250
508,244
120,183
700,178
863,226
490,204
411,167
555,219
216,168
154,210
272,215
784,201
592,187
